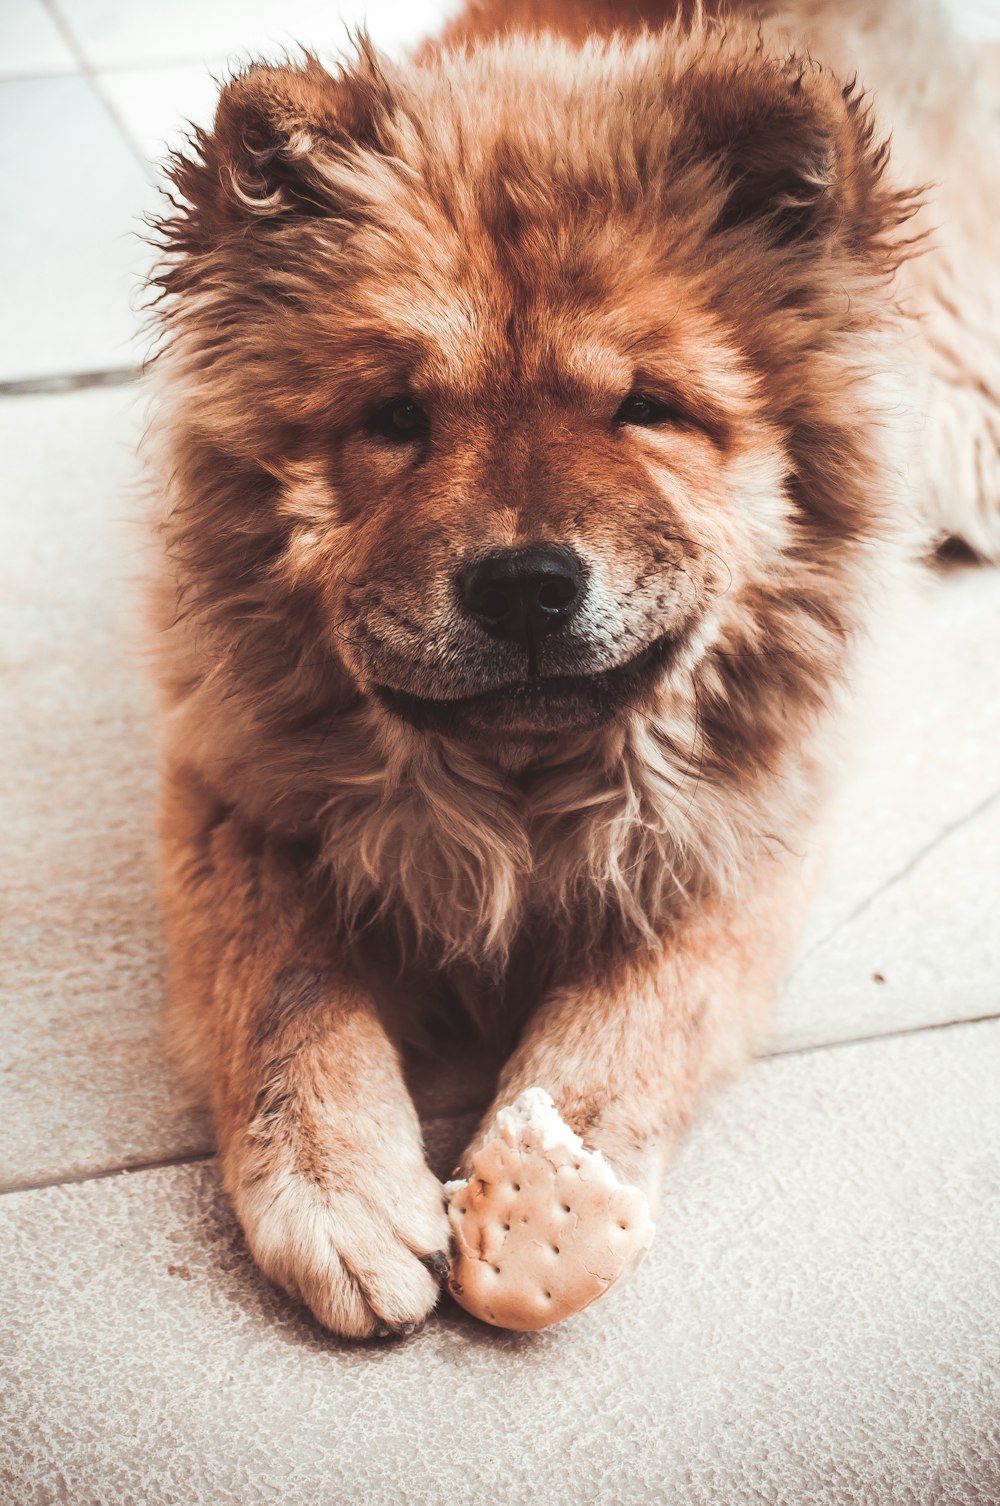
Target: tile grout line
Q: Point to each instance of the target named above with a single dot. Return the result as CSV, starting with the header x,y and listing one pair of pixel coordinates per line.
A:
x,y
79,1178
197,1158
69,381
908,867
92,78
133,145
68,35
778,1053
209,64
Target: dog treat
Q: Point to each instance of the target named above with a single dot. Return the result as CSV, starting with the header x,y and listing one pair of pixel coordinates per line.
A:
x,y
543,1227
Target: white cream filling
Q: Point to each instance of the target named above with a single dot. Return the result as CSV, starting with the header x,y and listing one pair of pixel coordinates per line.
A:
x,y
534,1109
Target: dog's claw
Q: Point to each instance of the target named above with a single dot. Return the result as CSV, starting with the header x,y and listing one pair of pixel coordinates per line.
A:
x,y
439,1264
396,1330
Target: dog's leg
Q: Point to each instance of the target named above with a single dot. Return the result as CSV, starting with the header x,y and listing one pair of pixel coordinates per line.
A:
x,y
319,1143
625,1060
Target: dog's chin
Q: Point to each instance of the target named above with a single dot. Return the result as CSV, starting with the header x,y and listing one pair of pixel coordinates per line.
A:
x,y
541,708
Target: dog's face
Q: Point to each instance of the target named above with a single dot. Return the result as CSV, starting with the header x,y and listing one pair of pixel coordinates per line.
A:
x,y
507,368
533,489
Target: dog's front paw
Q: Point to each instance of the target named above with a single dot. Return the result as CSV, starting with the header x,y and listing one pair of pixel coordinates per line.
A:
x,y
362,1244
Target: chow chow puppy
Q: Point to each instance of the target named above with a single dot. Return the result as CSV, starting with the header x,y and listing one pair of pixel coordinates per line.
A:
x,y
535,418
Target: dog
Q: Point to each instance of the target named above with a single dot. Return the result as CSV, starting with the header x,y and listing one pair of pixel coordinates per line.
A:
x,y
536,420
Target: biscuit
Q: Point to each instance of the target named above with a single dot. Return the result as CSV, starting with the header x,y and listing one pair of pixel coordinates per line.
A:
x,y
543,1227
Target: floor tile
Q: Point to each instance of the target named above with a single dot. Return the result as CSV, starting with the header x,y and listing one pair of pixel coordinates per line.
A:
x,y
157,105
919,745
914,826
31,42
85,1084
116,34
817,1322
925,948
69,260
976,18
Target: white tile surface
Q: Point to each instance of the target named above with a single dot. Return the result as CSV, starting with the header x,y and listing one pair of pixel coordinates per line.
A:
x,y
122,34
31,42
922,746
976,18
157,105
817,1324
70,249
917,824
925,948
84,1082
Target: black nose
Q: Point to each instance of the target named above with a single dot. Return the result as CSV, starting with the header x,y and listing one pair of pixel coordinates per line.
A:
x,y
522,593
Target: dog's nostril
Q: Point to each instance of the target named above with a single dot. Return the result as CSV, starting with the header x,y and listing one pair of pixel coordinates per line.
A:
x,y
556,592
491,602
521,593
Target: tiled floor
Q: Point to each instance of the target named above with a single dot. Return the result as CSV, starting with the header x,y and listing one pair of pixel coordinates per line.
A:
x,y
816,1325
819,1319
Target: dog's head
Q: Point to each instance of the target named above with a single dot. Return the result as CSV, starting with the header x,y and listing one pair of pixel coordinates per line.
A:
x,y
516,383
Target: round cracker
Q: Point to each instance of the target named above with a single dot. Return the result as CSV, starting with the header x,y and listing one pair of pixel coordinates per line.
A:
x,y
543,1227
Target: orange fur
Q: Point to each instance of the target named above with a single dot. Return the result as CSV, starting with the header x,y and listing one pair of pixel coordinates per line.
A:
x,y
514,237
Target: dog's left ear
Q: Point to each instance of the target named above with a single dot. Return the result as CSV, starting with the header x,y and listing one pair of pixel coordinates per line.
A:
x,y
795,154
279,137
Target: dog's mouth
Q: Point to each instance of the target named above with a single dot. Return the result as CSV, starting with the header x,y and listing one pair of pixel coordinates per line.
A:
x,y
544,705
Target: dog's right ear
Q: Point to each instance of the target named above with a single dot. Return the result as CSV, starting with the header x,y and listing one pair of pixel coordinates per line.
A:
x,y
279,136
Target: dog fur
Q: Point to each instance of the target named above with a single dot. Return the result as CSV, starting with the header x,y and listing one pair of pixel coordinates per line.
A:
x,y
551,207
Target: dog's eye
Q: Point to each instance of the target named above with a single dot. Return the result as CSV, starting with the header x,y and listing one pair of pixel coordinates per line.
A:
x,y
400,422
645,411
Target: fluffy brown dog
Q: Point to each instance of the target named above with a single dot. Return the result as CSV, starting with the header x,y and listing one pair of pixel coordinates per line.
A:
x,y
524,412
